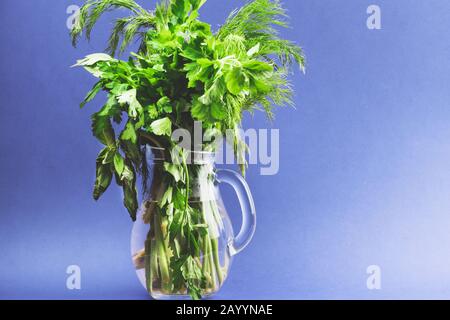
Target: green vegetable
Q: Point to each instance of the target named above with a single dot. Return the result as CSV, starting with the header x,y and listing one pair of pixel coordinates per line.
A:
x,y
181,73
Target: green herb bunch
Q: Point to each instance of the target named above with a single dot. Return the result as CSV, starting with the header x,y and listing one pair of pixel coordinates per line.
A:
x,y
182,72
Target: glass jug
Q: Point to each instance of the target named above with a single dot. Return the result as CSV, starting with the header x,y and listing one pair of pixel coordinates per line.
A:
x,y
160,260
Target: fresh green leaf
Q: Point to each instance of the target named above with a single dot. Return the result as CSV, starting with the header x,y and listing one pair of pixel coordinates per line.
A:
x,y
111,108
152,112
256,65
119,164
218,111
190,270
129,97
254,50
260,86
235,81
176,224
161,127
103,176
130,199
215,91
199,111
167,197
159,67
164,105
175,170
180,8
103,130
197,72
196,4
191,53
129,133
128,182
109,155
91,94
204,62
92,59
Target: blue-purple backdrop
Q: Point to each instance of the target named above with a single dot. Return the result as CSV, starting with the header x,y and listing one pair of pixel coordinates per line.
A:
x,y
364,175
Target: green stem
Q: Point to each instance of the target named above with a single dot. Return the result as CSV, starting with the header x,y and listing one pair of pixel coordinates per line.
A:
x,y
162,255
186,172
215,253
206,268
214,243
205,261
148,264
211,265
155,275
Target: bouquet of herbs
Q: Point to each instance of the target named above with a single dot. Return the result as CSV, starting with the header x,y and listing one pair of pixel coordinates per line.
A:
x,y
182,72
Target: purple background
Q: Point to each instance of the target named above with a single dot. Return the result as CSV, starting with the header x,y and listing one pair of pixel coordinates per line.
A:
x,y
364,175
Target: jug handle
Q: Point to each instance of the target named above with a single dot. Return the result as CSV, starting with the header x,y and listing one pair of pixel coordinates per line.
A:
x,y
244,195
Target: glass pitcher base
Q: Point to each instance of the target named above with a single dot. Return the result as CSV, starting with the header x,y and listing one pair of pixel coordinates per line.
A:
x,y
159,294
184,237
168,297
